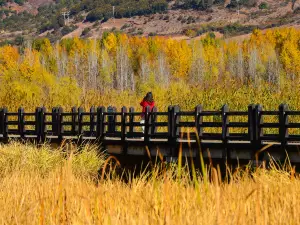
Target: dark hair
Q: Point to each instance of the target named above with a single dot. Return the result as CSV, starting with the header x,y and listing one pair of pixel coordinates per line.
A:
x,y
149,97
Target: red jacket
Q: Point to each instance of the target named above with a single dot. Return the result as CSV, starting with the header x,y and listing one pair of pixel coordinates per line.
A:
x,y
144,104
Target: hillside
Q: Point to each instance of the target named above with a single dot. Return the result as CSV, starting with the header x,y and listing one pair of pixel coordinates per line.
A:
x,y
21,20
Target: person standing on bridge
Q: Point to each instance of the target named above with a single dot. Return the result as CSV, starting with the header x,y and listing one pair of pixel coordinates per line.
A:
x,y
147,101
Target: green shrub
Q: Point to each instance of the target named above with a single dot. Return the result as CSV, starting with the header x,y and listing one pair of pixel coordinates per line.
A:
x,y
96,24
297,10
140,32
19,40
94,15
236,29
151,34
263,5
85,31
126,25
68,29
190,33
167,17
19,2
212,35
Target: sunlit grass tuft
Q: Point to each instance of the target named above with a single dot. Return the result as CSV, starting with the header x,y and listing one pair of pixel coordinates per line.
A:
x,y
26,157
86,161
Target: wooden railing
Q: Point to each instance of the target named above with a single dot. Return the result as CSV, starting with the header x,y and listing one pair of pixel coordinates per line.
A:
x,y
120,127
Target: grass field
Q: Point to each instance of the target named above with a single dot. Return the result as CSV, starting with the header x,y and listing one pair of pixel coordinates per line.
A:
x,y
63,186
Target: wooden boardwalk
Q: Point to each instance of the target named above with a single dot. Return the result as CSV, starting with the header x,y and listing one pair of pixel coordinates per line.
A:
x,y
223,134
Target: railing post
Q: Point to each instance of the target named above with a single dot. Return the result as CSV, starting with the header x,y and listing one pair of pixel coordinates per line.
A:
x,y
170,123
74,121
111,120
225,122
54,120
225,132
283,121
123,128
100,122
92,120
21,123
5,124
5,128
199,131
175,130
149,123
60,127
251,123
176,118
258,132
115,110
131,120
80,130
154,120
146,131
1,122
43,125
123,121
38,124
198,120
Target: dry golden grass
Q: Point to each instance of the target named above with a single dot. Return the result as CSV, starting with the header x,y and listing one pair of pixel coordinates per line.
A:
x,y
62,197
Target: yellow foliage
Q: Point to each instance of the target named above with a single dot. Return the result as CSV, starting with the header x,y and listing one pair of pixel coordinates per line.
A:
x,y
179,55
110,43
84,72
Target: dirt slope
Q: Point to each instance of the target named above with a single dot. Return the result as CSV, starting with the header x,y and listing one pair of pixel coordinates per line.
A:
x,y
182,24
175,22
30,6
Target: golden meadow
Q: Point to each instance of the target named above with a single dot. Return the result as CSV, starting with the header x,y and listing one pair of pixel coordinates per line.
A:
x,y
118,70
63,186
